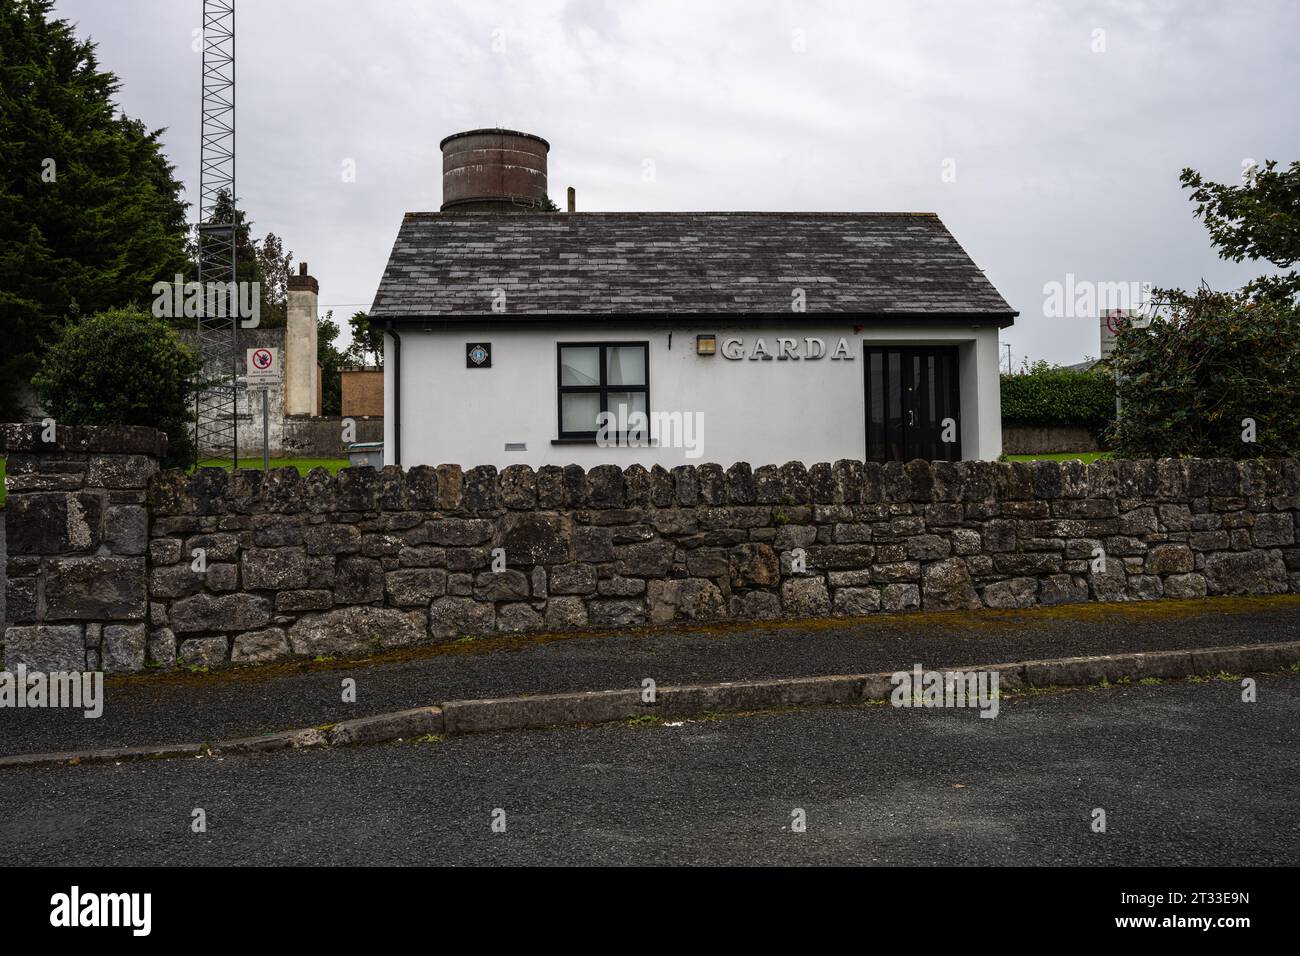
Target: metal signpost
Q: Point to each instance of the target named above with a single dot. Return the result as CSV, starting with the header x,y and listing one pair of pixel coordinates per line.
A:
x,y
263,371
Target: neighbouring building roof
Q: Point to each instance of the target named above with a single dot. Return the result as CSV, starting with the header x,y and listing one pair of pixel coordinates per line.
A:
x,y
448,265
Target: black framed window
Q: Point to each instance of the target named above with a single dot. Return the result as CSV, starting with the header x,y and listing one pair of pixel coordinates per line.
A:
x,y
596,377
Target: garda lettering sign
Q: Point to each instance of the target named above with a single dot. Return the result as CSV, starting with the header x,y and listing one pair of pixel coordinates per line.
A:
x,y
263,366
785,348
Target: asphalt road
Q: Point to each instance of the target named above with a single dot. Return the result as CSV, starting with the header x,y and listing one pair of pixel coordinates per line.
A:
x,y
1186,773
209,707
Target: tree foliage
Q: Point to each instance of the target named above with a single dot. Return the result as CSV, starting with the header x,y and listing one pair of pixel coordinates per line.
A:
x,y
90,209
1046,395
122,367
367,346
331,362
1259,219
262,261
1216,371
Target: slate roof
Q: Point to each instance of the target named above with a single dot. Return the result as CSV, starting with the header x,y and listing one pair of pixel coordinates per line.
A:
x,y
447,265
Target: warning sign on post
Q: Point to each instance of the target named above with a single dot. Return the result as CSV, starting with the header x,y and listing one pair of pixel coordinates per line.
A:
x,y
263,366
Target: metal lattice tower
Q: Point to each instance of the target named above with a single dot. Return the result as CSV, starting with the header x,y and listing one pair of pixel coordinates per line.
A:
x,y
215,418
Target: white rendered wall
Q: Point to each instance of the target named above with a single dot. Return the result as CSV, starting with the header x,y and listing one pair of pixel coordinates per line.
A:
x,y
762,412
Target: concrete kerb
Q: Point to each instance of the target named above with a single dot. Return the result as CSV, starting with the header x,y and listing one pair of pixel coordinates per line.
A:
x,y
496,714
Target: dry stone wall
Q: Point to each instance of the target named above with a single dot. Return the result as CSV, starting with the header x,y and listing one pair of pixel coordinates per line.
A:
x,y
248,567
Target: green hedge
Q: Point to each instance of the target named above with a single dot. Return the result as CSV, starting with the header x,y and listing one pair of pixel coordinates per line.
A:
x,y
1217,376
1046,396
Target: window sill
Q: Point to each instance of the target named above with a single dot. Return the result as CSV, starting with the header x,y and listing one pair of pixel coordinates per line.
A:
x,y
591,441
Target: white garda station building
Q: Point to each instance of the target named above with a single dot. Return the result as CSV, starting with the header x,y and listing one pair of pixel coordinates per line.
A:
x,y
517,335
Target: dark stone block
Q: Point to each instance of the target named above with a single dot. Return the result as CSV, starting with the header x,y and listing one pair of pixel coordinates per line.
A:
x,y
848,481
550,487
356,489
755,565
120,471
481,488
451,487
220,613
460,532
170,493
530,539
518,487
741,489
768,486
636,486
358,581
54,523
606,483
392,489
686,486
274,569
318,489
422,488
99,588
920,479
1045,478
662,490
794,484
577,491
282,492
593,544
871,483
713,484
947,480
821,484
126,529
20,600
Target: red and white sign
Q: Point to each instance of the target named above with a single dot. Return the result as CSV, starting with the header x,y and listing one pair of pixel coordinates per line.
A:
x,y
263,366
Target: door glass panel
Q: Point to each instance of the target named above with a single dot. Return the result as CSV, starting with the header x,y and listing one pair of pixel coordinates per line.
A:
x,y
894,397
875,406
930,409
580,365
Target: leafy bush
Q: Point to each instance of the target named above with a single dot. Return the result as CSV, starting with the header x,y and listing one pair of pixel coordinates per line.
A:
x,y
122,367
1060,397
1190,381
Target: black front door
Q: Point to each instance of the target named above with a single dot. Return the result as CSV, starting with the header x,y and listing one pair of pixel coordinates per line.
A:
x,y
913,405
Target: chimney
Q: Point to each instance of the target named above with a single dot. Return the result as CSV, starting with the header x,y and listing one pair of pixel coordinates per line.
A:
x,y
573,199
301,373
494,170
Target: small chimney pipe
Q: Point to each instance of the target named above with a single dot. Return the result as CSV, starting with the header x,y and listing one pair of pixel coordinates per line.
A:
x,y
573,199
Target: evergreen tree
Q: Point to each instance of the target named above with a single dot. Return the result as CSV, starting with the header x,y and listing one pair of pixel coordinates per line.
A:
x,y
90,209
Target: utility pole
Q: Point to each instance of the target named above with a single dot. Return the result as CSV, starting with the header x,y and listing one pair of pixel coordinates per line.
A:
x,y
215,418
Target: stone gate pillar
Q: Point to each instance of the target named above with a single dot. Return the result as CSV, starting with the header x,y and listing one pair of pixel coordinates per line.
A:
x,y
77,535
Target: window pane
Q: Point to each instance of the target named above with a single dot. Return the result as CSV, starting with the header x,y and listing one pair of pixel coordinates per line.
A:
x,y
578,411
623,404
626,364
580,366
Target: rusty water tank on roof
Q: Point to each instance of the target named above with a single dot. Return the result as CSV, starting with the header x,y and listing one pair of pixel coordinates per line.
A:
x,y
494,170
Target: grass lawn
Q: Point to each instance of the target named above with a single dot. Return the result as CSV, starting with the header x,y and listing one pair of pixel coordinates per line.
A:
x,y
1083,456
303,465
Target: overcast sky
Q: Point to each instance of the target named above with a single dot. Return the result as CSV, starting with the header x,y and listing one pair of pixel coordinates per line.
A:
x,y
1061,126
